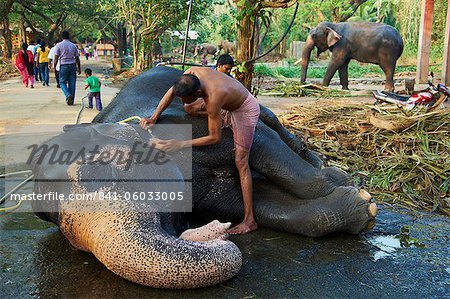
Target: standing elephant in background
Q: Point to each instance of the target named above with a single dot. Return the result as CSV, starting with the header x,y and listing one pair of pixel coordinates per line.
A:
x,y
366,42
227,47
205,49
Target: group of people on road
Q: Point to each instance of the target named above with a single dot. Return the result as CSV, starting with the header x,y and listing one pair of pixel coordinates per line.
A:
x,y
34,62
90,51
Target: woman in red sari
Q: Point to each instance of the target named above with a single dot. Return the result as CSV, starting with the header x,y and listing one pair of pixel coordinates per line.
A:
x,y
25,65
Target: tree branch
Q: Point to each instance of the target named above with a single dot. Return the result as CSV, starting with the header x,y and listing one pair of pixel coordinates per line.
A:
x,y
6,8
33,10
277,3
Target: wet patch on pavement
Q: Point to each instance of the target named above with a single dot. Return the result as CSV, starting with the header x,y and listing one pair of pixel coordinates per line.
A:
x,y
37,261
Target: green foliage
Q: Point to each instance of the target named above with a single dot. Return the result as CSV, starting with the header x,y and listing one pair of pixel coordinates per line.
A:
x,y
217,23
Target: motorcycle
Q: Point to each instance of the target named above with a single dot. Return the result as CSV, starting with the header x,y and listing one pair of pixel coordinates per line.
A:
x,y
432,96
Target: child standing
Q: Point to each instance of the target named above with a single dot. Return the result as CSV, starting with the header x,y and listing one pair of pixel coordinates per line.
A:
x,y
93,83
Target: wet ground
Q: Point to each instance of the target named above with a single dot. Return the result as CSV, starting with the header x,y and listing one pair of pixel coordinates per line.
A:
x,y
404,256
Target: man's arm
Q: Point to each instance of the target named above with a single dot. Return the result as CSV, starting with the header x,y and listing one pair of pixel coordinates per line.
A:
x,y
77,60
214,128
163,104
55,61
214,136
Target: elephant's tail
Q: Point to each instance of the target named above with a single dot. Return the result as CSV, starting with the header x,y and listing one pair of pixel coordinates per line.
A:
x,y
135,247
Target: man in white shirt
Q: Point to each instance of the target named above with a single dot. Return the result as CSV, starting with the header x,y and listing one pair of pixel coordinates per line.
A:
x,y
51,56
37,73
33,48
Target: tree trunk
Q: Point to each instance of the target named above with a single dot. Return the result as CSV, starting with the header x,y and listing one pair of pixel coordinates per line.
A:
x,y
22,32
7,38
136,41
246,47
121,36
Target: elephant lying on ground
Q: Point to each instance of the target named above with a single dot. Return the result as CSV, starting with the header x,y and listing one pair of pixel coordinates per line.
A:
x,y
366,42
292,193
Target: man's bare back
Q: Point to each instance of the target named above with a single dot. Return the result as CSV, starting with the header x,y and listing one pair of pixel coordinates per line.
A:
x,y
219,89
219,92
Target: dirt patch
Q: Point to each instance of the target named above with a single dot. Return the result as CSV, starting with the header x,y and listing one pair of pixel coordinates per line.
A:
x,y
7,69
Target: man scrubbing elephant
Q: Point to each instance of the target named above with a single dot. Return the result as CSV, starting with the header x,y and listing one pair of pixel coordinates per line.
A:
x,y
226,100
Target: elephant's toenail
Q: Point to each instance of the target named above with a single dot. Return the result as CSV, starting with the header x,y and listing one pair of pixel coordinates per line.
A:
x,y
370,225
365,195
373,210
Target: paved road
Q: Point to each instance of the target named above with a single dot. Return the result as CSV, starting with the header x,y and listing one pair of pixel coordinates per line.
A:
x,y
46,105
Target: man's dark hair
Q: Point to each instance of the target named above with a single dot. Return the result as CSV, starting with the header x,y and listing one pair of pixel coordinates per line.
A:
x,y
88,71
38,41
225,59
65,35
32,42
186,85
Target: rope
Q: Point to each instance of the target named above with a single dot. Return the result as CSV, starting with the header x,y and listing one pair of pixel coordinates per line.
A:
x,y
281,39
138,118
14,173
77,119
3,199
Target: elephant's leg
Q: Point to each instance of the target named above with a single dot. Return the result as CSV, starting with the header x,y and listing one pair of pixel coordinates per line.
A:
x,y
211,231
337,61
273,158
344,209
296,144
388,69
387,64
343,75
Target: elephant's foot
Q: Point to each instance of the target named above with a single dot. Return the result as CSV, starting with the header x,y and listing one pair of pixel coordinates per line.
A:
x,y
372,210
389,88
211,231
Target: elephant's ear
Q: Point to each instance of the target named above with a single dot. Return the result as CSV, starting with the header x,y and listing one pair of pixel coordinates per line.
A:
x,y
332,37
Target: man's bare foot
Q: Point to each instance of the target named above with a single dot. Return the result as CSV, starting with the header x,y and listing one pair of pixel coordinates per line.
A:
x,y
243,228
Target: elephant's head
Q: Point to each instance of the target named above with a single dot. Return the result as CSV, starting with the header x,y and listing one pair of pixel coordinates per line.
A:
x,y
129,236
323,36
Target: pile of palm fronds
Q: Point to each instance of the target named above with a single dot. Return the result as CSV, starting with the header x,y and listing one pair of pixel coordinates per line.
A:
x,y
402,158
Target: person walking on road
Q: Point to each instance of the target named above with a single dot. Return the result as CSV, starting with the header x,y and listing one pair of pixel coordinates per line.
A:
x,y
66,53
42,59
51,57
93,83
37,73
25,65
32,47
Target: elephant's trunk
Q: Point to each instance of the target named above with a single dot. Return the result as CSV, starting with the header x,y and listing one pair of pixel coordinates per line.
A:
x,y
134,246
306,53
